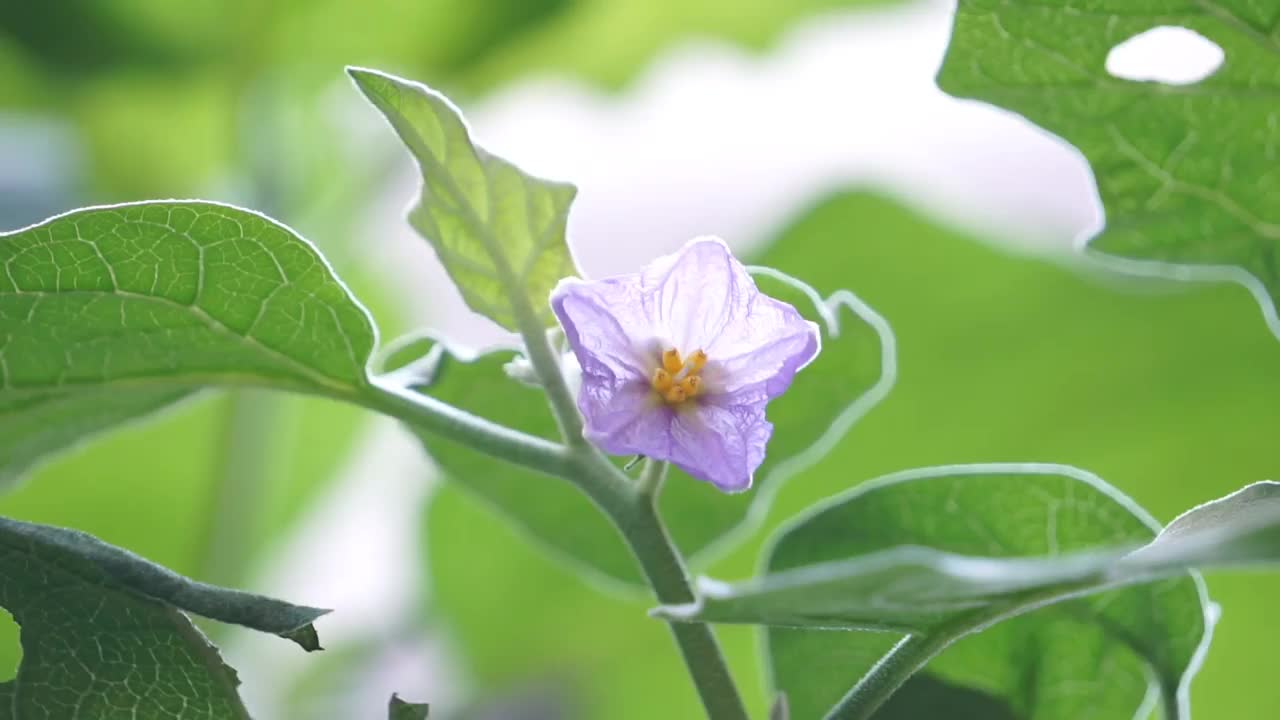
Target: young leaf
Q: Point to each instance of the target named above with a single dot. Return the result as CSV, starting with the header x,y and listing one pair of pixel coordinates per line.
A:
x,y
498,231
853,372
109,313
941,552
1187,174
103,635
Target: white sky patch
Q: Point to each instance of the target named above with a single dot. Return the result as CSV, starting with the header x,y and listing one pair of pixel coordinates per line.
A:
x,y
1167,54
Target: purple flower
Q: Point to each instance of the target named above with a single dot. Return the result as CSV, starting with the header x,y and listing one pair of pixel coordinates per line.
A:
x,y
679,360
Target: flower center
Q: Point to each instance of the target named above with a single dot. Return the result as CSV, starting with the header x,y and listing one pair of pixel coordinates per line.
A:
x,y
678,379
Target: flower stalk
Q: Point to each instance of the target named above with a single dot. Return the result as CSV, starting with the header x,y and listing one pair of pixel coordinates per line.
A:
x,y
633,508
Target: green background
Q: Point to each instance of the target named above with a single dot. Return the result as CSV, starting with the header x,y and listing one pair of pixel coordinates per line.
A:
x,y
1168,391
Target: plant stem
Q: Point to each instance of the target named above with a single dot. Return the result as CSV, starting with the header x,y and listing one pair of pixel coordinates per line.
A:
x,y
651,478
915,651
425,413
665,570
633,508
547,367
1172,709
884,679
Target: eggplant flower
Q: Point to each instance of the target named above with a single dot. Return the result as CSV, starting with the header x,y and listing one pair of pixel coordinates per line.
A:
x,y
680,359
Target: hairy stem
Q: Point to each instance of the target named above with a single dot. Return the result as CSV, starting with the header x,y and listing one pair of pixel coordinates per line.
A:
x,y
874,689
651,478
666,573
1172,703
633,508
915,651
547,367
425,413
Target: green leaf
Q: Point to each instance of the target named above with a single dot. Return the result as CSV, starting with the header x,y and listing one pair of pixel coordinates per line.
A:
x,y
1187,174
854,371
914,589
398,709
926,696
499,232
943,552
109,313
103,636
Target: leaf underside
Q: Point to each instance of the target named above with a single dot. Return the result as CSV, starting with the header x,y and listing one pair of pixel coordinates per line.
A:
x,y
104,636
932,550
399,709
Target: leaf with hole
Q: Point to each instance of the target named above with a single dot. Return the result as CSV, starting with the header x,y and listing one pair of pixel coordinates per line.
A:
x,y
498,231
853,372
104,636
943,552
1187,174
109,313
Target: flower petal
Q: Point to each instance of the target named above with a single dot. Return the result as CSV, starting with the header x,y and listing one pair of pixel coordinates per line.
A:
x,y
697,298
626,419
605,325
697,293
755,360
722,445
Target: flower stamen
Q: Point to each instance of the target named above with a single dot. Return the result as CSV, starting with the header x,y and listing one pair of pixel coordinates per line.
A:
x,y
662,380
678,379
671,361
691,384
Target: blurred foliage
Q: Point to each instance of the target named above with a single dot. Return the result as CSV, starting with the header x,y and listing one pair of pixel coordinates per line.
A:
x,y
1171,390
157,89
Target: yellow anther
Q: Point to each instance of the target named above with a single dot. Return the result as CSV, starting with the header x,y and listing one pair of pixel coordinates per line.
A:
x,y
677,380
690,385
671,361
696,361
662,381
